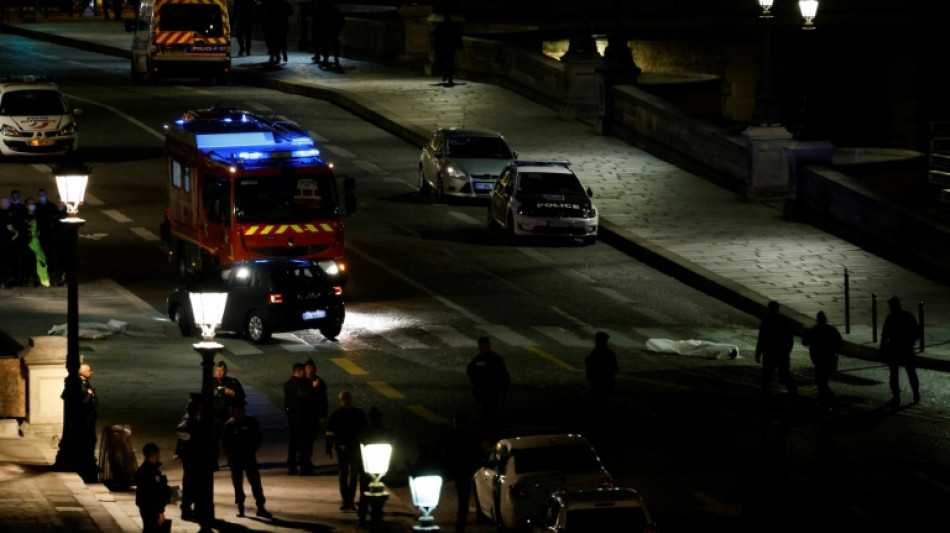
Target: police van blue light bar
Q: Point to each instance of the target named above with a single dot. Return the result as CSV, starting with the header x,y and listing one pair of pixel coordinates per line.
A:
x,y
542,163
313,152
251,155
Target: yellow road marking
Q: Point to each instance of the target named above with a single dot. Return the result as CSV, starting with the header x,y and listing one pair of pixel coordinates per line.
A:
x,y
349,366
387,391
549,357
422,411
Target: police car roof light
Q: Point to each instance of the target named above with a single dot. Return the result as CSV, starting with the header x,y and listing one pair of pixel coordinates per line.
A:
x,y
564,164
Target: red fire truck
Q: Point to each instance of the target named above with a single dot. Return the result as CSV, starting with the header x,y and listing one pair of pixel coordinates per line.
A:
x,y
241,186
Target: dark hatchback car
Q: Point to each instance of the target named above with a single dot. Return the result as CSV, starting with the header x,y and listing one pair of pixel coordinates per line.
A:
x,y
268,296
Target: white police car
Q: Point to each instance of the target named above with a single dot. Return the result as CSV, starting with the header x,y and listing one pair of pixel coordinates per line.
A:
x,y
35,119
542,198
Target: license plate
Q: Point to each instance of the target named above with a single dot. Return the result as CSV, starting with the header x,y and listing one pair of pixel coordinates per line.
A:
x,y
558,223
313,315
483,186
41,142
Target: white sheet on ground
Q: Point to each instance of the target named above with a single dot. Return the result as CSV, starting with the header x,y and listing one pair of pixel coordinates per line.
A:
x,y
93,330
696,348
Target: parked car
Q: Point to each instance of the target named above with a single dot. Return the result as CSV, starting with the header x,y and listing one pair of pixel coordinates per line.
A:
x,y
522,472
35,119
543,198
267,296
463,163
595,511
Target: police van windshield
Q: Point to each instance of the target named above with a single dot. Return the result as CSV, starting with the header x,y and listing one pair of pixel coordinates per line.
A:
x,y
201,18
18,103
285,199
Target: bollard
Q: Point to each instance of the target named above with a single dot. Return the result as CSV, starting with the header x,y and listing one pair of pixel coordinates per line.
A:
x,y
873,317
847,301
920,317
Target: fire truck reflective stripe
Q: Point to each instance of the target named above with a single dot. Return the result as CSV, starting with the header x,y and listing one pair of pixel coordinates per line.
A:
x,y
311,227
251,230
326,227
285,227
267,230
296,228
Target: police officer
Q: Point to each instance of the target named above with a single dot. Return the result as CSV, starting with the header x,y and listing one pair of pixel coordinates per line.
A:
x,y
315,407
151,490
228,392
294,389
601,366
241,437
192,450
459,451
490,380
898,337
90,411
47,218
344,429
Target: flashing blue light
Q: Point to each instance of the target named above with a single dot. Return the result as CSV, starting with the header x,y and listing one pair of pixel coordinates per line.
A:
x,y
180,122
302,140
227,119
313,152
243,118
251,155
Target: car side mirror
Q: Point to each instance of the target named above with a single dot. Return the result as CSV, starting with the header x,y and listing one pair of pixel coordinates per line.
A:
x,y
349,196
590,193
514,154
77,112
129,25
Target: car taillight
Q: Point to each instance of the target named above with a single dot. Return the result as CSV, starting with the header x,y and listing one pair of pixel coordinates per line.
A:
x,y
517,492
275,298
337,291
649,528
606,481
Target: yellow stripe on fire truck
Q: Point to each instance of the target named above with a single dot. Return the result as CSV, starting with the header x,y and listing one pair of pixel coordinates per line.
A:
x,y
262,229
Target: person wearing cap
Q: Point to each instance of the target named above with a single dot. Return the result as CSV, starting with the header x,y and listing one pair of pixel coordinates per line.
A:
x,y
314,410
490,380
601,369
192,451
241,437
151,490
898,339
228,392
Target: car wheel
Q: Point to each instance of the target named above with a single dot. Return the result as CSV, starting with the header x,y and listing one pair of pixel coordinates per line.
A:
x,y
183,321
424,188
491,220
480,516
331,332
589,240
257,329
439,190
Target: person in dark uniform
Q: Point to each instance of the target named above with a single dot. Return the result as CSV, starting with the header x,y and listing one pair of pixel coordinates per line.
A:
x,y
446,40
774,348
315,407
245,12
23,260
328,22
47,217
344,429
601,365
490,380
459,451
90,412
151,490
241,438
228,393
192,450
6,243
824,343
293,399
898,337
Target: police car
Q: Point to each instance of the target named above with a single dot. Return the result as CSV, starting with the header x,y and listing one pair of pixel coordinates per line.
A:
x,y
542,198
35,119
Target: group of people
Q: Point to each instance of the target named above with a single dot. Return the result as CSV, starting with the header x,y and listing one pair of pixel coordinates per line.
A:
x,y
274,18
29,239
899,337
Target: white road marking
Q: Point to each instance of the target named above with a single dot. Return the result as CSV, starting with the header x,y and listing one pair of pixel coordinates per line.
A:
x,y
576,276
616,338
536,255
507,335
450,336
564,336
117,216
41,168
92,199
464,218
565,314
259,107
370,167
145,234
403,341
655,333
613,295
238,346
339,151
132,120
130,297
318,138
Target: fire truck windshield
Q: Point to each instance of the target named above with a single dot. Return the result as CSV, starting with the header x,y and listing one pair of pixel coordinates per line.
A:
x,y
285,199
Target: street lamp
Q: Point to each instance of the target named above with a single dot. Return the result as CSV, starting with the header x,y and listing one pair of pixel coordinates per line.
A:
x,y
376,464
805,130
809,9
425,495
766,108
76,447
207,308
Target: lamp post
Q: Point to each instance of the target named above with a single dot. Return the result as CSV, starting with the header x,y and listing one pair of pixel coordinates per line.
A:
x,y
375,464
76,447
207,309
805,127
425,495
766,109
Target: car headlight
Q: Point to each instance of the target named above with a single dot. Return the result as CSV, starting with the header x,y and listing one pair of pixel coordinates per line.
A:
x,y
331,267
9,131
590,213
453,171
527,210
69,129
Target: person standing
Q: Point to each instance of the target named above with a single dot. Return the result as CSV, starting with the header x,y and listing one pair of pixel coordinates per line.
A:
x,y
344,430
824,343
293,406
774,348
244,14
90,415
447,39
898,338
116,9
192,451
241,439
315,407
459,451
490,380
228,393
24,263
47,219
151,491
328,22
6,243
601,369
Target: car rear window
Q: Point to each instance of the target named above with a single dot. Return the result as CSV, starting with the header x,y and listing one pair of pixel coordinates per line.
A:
x,y
569,458
478,147
205,19
548,183
40,102
287,279
606,519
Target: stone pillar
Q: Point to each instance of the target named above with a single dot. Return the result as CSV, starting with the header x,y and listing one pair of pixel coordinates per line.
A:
x,y
767,170
801,154
417,29
616,68
581,97
45,362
